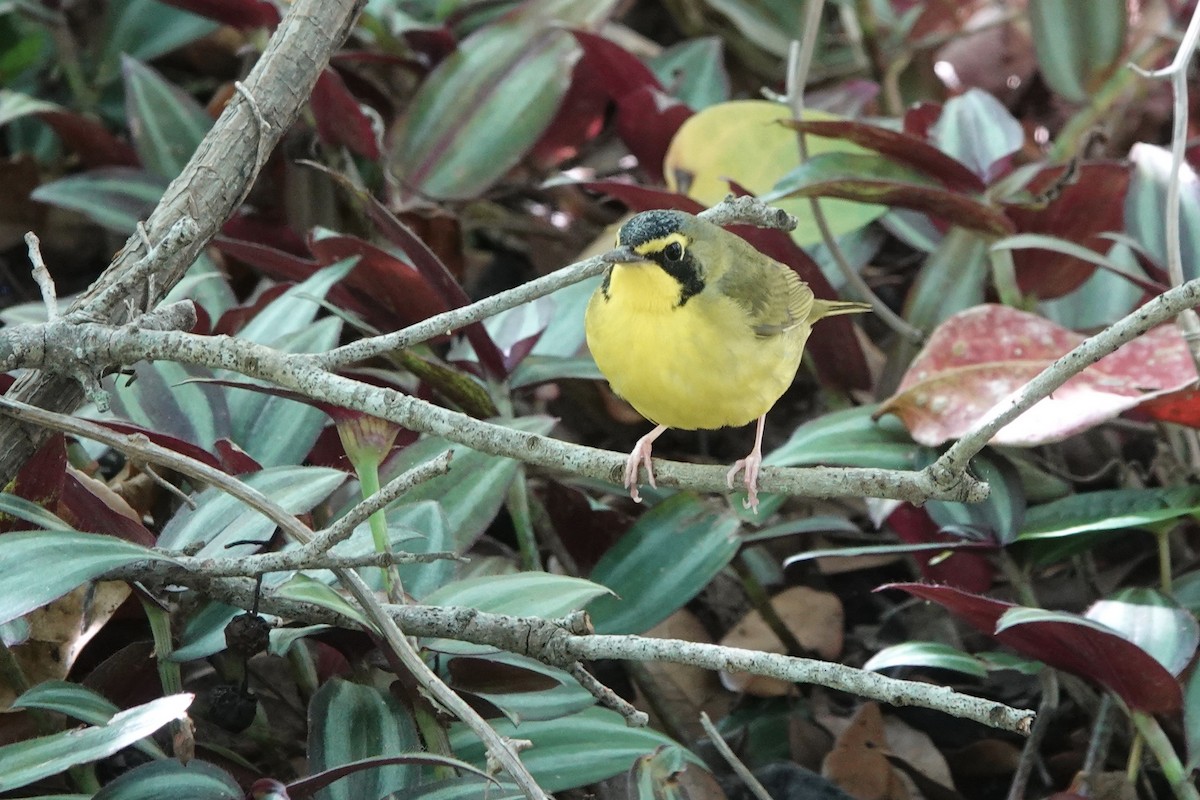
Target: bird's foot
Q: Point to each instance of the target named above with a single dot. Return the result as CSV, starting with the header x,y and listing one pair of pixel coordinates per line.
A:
x,y
751,464
640,456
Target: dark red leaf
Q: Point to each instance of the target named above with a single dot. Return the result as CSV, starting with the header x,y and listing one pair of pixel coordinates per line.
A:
x,y
429,266
486,676
248,228
1107,659
953,207
234,459
89,512
161,439
647,120
1091,204
962,569
919,118
579,119
341,119
40,480
244,14
647,117
95,145
271,261
383,278
903,147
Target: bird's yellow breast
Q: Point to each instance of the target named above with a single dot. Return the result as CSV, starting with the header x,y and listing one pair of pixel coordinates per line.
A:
x,y
693,366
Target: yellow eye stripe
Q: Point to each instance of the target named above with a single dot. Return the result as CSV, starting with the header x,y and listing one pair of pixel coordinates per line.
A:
x,y
661,243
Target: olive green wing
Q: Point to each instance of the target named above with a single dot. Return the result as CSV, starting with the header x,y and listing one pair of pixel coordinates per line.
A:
x,y
772,295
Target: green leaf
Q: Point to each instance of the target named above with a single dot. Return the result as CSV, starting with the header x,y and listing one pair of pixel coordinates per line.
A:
x,y
483,108
34,759
1154,622
307,589
693,70
116,198
1077,44
145,30
220,518
30,512
977,130
80,703
349,722
1001,514
568,697
276,430
926,654
168,397
1191,719
429,520
523,594
876,550
470,503
14,105
1146,206
572,751
661,563
295,310
166,124
1109,510
37,567
849,438
196,780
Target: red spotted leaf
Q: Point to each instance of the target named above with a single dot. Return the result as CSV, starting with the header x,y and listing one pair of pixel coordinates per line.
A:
x,y
1078,646
979,357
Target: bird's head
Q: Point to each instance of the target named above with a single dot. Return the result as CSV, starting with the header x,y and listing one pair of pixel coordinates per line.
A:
x,y
678,243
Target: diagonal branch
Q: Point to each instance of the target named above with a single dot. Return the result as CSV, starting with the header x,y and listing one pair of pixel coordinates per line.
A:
x,y
198,202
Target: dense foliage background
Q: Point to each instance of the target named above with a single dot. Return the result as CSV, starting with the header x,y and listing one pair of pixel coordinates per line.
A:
x,y
995,173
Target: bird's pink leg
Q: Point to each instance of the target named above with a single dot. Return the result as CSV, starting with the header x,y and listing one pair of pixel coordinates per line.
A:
x,y
751,464
641,456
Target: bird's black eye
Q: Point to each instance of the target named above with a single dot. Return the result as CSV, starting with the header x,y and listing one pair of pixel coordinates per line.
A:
x,y
673,251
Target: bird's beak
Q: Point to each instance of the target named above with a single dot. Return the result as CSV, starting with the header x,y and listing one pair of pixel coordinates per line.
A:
x,y
623,255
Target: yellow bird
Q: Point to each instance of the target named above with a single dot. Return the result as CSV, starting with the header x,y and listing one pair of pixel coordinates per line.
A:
x,y
698,330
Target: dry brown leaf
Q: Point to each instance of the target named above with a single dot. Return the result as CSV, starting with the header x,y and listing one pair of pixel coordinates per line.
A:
x,y
814,618
858,763
59,631
917,750
808,742
987,758
683,691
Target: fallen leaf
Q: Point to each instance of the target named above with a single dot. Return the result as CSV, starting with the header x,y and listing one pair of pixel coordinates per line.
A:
x,y
858,762
682,691
979,357
814,618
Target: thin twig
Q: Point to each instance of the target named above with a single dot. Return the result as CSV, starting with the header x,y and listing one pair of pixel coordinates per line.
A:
x,y
609,698
1188,321
743,772
41,276
561,643
343,527
799,59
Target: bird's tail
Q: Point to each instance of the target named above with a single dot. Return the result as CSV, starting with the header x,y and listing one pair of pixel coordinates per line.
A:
x,y
831,308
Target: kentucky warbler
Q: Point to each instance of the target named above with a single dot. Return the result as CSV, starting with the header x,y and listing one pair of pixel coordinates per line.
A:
x,y
697,329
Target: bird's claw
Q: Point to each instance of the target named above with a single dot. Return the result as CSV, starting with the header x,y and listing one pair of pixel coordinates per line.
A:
x,y
638,458
751,465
